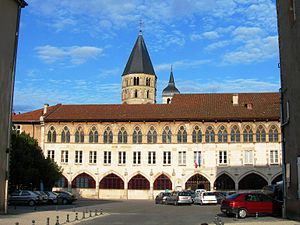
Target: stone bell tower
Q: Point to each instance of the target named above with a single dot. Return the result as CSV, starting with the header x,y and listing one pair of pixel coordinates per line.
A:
x,y
138,78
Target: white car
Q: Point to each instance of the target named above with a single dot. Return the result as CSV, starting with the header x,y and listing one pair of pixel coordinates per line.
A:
x,y
205,197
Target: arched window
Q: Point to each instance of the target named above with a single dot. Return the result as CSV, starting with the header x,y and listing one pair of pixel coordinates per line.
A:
x,y
273,134
147,94
79,135
162,183
122,136
134,81
260,134
65,135
181,135
62,182
248,134
111,181
168,101
139,182
107,136
52,135
137,136
148,81
235,134
83,181
197,135
135,93
167,136
152,136
209,135
93,135
222,135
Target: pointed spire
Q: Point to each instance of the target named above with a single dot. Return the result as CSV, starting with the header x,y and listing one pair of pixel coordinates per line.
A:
x,y
171,89
139,60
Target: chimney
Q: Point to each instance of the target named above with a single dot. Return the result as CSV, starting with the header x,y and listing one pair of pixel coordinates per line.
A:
x,y
45,108
235,99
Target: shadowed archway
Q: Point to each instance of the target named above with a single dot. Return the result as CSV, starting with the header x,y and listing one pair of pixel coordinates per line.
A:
x,y
197,182
252,181
224,182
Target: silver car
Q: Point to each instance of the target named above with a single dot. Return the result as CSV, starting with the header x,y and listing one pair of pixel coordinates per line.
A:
x,y
180,197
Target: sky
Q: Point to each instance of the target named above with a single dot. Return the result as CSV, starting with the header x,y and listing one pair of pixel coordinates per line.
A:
x,y
74,52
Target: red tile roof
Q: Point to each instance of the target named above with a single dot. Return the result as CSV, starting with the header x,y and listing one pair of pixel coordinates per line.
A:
x,y
184,107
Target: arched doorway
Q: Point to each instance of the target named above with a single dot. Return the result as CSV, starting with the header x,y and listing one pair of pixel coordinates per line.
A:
x,y
277,179
224,182
139,182
83,180
111,181
252,181
162,183
197,182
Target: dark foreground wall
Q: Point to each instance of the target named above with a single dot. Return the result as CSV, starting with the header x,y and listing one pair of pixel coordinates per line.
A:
x,y
9,23
289,42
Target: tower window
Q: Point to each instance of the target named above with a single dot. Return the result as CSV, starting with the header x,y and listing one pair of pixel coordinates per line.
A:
x,y
136,81
168,101
147,94
135,93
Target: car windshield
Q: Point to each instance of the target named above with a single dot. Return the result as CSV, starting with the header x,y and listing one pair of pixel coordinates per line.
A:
x,y
167,194
184,194
233,196
208,194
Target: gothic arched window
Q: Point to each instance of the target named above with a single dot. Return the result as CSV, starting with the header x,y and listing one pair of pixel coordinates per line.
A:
x,y
93,135
52,135
209,135
197,135
222,135
235,134
122,136
79,135
273,134
248,134
167,136
65,135
181,135
260,134
137,136
107,136
152,136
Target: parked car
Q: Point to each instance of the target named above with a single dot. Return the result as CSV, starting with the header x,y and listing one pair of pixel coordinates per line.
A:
x,y
205,197
65,197
52,197
193,194
221,195
43,196
180,197
244,204
161,197
24,197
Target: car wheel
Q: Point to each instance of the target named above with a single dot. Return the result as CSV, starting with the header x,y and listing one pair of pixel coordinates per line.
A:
x,y
31,203
242,213
65,201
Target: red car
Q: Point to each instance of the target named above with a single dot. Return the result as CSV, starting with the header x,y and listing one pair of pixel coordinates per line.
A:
x,y
244,204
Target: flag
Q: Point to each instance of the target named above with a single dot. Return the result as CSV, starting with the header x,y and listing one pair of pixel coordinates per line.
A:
x,y
196,165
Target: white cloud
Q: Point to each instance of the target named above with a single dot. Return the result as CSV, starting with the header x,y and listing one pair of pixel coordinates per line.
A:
x,y
210,35
245,33
217,45
182,64
74,54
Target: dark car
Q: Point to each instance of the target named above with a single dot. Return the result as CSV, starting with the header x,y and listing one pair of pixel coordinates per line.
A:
x,y
52,197
161,197
24,197
245,204
65,197
43,196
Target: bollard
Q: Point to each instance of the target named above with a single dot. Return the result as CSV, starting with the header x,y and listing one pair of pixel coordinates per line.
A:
x,y
57,220
76,216
95,212
33,222
48,221
68,219
83,215
17,223
101,211
90,213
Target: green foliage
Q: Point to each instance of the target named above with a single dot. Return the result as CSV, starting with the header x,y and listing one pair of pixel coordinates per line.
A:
x,y
28,165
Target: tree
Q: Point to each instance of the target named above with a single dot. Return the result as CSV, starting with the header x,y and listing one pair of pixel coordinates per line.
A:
x,y
28,165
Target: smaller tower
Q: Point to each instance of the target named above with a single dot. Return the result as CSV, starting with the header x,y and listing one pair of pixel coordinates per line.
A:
x,y
170,90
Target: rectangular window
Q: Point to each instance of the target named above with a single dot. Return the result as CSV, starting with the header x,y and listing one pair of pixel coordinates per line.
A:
x,y
197,158
248,157
93,157
107,157
151,157
64,156
167,158
182,157
51,154
17,128
223,157
122,157
137,158
274,157
78,156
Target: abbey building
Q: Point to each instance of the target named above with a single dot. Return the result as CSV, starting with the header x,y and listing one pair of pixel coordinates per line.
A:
x,y
139,148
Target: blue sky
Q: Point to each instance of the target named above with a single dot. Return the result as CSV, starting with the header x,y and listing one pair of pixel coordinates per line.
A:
x,y
74,52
